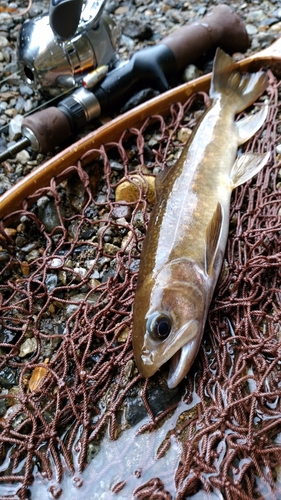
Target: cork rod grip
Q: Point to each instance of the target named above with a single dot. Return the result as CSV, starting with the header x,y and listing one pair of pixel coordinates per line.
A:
x,y
222,28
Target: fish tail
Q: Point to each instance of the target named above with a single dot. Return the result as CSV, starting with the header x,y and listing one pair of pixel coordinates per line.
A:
x,y
242,88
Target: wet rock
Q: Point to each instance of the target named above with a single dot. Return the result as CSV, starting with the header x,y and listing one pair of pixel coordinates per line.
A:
x,y
51,281
4,258
10,112
183,134
4,42
3,407
102,261
251,29
134,28
23,157
26,90
110,249
80,271
130,190
255,16
7,336
49,346
15,128
88,233
76,192
28,347
190,73
138,220
47,213
135,411
109,273
122,10
38,374
134,265
160,397
120,211
115,165
8,377
123,334
36,9
33,255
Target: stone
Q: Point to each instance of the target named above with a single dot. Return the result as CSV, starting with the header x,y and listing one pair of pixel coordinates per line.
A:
x,y
28,347
23,157
190,73
183,134
15,127
132,190
4,42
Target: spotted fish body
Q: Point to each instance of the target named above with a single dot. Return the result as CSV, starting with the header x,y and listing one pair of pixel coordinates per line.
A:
x,y
187,233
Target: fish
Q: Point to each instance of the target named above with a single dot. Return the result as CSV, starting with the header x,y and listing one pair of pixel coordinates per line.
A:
x,y
187,233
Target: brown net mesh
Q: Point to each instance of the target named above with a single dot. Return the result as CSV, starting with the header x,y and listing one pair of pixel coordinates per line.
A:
x,y
77,420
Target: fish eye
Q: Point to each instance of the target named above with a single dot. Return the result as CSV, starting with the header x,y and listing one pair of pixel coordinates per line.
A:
x,y
159,326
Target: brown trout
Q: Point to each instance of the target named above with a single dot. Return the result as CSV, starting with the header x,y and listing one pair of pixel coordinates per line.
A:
x,y
188,229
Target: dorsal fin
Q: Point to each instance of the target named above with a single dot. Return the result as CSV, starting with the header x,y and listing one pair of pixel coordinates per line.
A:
x,y
213,233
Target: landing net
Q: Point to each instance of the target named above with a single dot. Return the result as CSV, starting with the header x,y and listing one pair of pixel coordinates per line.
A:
x,y
77,420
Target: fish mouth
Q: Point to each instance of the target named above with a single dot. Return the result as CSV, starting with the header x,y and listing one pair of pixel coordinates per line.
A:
x,y
181,361
178,351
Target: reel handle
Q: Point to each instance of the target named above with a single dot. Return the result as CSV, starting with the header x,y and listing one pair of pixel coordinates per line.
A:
x,y
64,16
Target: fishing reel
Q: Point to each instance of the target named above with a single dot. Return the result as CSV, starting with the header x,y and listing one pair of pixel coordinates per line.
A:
x,y
57,50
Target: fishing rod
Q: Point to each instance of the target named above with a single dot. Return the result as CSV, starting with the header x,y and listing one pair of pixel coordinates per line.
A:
x,y
111,83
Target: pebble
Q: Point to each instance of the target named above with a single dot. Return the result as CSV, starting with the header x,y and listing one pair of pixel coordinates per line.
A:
x,y
11,112
121,211
122,10
136,29
251,29
5,183
15,127
8,377
190,73
36,377
3,41
47,213
56,262
123,334
276,28
183,134
110,249
30,246
28,105
23,157
33,255
26,90
130,192
28,347
139,220
51,281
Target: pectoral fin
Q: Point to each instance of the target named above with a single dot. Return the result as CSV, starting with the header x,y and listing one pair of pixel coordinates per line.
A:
x,y
248,126
246,166
213,233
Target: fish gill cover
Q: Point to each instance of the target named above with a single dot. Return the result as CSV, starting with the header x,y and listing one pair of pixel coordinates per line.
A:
x,y
76,418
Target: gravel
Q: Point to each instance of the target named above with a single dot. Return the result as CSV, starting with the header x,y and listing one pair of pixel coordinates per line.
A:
x,y
143,23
